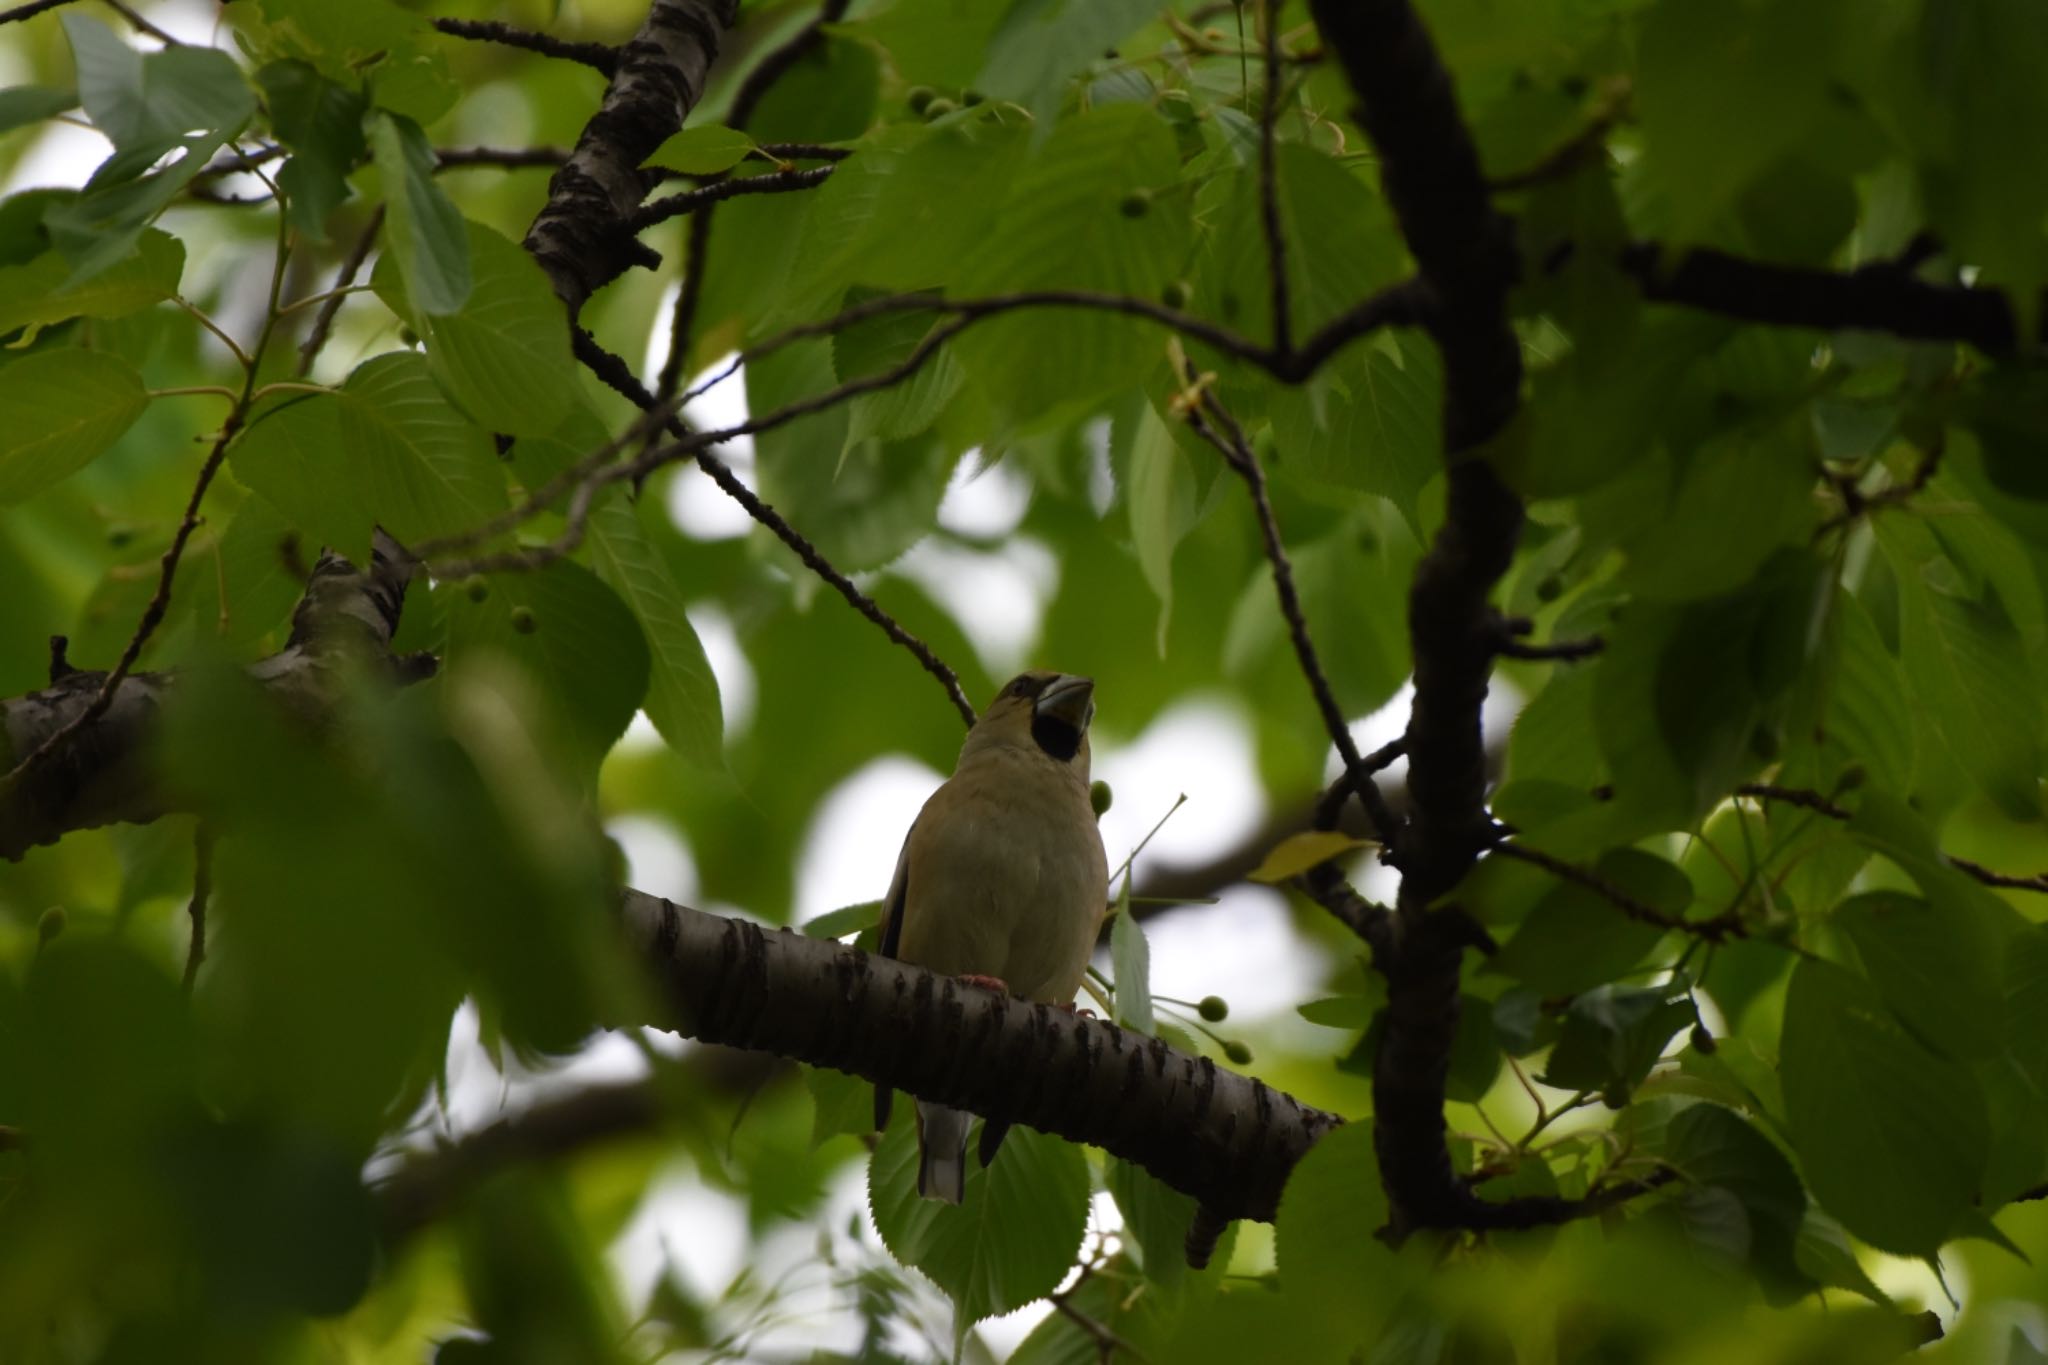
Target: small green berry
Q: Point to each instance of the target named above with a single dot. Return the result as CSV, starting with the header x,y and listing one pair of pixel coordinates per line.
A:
x,y
970,98
1176,294
476,587
1550,588
919,98
50,925
1703,1041
523,622
1614,1095
1213,1008
939,108
1100,798
1238,1053
407,336
1136,204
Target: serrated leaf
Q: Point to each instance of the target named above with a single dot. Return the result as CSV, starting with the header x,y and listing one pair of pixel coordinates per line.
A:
x,y
1039,43
704,150
1162,508
1613,1036
1715,1147
1297,853
322,123
1938,972
59,411
580,642
1893,1139
140,100
425,229
1576,938
1824,1252
1323,1234
839,1103
384,449
1011,1240
39,292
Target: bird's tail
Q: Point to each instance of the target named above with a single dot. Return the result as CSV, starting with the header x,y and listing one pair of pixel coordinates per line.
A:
x,y
942,1152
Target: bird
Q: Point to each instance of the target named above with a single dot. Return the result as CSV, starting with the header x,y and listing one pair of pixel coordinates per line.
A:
x,y
1002,881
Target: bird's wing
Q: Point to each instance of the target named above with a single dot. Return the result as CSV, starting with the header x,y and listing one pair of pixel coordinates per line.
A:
x,y
892,935
899,895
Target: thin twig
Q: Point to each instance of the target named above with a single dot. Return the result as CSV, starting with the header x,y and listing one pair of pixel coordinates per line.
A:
x,y
202,889
745,100
1269,191
1715,930
1795,796
675,205
142,25
804,151
1107,1342
1237,452
502,158
615,372
29,11
601,56
323,321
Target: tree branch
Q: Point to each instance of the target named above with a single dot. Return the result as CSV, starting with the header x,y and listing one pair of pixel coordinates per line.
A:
x,y
1880,297
577,237
674,205
1431,175
602,56
102,775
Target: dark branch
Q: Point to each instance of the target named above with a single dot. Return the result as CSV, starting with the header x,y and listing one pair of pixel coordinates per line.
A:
x,y
620,377
602,56
674,205
323,321
1715,930
29,11
1880,297
1814,801
577,237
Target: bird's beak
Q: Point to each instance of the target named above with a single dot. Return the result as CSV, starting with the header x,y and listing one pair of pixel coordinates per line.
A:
x,y
1069,698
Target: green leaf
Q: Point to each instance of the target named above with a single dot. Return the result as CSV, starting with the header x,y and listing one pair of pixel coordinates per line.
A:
x,y
1893,1139
1131,960
1157,1217
25,104
908,407
322,123
1162,508
839,1103
1969,671
142,101
102,226
682,699
1371,420
704,150
1938,972
1576,938
39,292
1613,1036
1297,853
1352,584
1067,223
1323,1236
1010,1241
1862,708
1734,502
425,229
847,919
59,411
1824,1252
1715,1147
503,355
879,499
1722,100
386,448
1039,43
582,646
1338,1011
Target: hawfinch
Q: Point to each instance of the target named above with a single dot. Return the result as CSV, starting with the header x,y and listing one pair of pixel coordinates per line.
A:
x,y
1002,880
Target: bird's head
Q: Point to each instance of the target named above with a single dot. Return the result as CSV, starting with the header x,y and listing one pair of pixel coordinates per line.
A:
x,y
1042,710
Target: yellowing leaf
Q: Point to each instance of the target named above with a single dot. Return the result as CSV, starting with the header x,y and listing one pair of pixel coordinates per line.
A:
x,y
1297,853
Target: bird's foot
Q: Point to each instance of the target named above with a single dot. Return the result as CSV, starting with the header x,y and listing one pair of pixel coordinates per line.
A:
x,y
1071,1008
991,983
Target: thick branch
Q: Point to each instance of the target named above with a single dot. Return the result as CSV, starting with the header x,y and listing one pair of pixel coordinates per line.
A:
x,y
101,776
1229,1140
1431,174
1880,297
578,237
